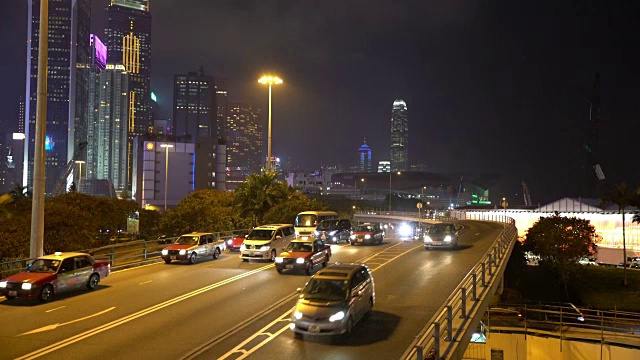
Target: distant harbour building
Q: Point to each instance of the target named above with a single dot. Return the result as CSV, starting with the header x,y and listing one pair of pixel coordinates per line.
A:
x,y
194,106
244,137
384,166
364,157
399,136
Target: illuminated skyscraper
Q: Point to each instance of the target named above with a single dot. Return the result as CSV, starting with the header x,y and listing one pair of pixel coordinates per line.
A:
x,y
194,106
244,138
69,27
222,106
399,137
364,157
128,32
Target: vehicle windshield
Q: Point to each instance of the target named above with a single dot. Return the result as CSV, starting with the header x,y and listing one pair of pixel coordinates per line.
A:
x,y
260,235
306,220
44,266
441,229
326,290
328,224
187,240
362,228
300,247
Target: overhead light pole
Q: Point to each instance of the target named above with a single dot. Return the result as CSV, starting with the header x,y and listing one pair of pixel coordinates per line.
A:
x,y
391,172
79,162
269,80
166,172
356,192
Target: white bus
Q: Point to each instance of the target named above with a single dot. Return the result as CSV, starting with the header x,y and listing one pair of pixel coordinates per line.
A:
x,y
307,221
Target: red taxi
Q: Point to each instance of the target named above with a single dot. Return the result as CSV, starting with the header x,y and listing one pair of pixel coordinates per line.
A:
x,y
52,274
367,234
236,240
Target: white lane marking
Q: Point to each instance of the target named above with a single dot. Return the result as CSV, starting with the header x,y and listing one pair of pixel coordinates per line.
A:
x,y
66,342
54,326
146,282
58,308
135,267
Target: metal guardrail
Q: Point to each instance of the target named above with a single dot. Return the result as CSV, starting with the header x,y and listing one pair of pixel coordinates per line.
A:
x,y
445,331
122,254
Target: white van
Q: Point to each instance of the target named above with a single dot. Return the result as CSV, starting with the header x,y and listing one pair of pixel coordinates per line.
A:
x,y
307,221
265,242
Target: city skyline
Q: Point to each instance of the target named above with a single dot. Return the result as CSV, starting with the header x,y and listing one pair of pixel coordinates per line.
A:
x,y
490,89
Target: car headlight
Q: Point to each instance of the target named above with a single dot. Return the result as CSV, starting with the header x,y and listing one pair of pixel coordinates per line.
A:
x,y
183,252
265,247
165,252
297,314
27,286
317,233
448,238
300,260
243,248
367,236
229,242
427,239
279,259
352,237
331,233
297,233
3,284
337,316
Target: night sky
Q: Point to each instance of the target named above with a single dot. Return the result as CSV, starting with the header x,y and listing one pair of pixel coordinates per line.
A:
x,y
491,87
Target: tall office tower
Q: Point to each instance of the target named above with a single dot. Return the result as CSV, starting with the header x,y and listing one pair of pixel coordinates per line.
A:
x,y
222,106
108,160
128,32
69,27
364,157
399,137
97,64
21,115
244,138
194,107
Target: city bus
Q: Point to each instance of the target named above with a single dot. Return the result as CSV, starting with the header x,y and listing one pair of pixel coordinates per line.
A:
x,y
307,221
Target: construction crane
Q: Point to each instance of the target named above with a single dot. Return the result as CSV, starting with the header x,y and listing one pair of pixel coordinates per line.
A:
x,y
67,171
525,192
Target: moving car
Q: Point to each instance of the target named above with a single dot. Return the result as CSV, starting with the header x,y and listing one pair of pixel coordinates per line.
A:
x,y
367,233
237,239
441,235
303,255
334,300
334,230
267,241
192,246
52,274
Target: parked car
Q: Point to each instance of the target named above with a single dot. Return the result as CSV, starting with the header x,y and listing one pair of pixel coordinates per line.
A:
x,y
237,239
441,235
192,246
267,241
303,255
334,230
52,274
367,233
334,300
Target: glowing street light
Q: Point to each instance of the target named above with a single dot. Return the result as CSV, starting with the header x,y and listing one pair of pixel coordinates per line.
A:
x,y
166,172
79,162
269,80
390,172
356,192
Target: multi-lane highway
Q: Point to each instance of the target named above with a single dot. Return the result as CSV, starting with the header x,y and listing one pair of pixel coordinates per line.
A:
x,y
229,309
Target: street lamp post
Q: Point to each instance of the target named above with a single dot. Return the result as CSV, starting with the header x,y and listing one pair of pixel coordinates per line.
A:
x,y
390,172
166,172
356,192
504,205
269,80
79,162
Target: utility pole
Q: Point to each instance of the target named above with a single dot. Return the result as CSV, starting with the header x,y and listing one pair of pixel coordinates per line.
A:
x,y
37,205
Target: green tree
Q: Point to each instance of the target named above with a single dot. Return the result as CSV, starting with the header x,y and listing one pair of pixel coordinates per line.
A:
x,y
561,242
202,210
623,198
258,194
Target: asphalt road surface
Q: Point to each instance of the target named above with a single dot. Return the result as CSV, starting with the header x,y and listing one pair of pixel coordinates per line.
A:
x,y
229,309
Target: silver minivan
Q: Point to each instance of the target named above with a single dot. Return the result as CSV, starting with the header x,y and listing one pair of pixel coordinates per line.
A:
x,y
334,300
265,242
